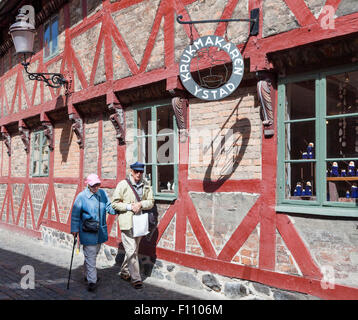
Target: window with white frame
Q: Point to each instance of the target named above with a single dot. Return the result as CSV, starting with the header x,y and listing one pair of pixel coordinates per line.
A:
x,y
40,155
157,146
318,143
51,38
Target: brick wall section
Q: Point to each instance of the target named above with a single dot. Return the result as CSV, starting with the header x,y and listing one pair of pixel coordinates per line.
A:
x,y
213,147
91,146
5,160
85,53
285,262
38,194
167,240
65,195
19,157
109,150
192,245
17,193
249,252
67,155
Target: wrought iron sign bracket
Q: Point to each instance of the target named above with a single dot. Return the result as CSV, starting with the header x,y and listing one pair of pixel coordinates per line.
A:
x,y
254,21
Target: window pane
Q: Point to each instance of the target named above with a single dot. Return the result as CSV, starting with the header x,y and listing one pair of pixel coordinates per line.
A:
x,y
44,149
35,168
165,118
300,181
300,137
44,168
342,137
342,93
54,35
144,120
145,150
148,173
165,179
342,180
47,40
300,100
165,148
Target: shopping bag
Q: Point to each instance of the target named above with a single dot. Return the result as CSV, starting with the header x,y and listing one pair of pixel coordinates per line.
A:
x,y
140,225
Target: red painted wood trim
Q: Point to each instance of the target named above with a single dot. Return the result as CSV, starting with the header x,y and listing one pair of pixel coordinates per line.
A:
x,y
303,15
151,41
198,228
227,14
97,55
241,234
118,39
21,230
169,32
297,247
108,57
165,220
250,186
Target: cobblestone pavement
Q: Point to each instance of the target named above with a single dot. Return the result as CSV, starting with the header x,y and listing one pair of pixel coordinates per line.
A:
x,y
19,253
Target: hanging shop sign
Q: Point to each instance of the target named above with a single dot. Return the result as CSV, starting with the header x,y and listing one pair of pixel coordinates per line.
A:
x,y
205,92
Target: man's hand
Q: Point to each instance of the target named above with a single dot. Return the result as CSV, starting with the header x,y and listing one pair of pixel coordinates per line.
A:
x,y
136,207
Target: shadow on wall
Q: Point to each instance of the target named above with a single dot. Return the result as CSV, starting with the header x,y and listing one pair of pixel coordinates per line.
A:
x,y
228,147
65,140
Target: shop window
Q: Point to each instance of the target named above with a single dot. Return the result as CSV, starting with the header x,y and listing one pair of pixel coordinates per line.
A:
x,y
51,38
40,155
318,143
157,147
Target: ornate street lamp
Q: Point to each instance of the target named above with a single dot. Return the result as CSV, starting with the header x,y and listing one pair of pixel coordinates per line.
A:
x,y
23,35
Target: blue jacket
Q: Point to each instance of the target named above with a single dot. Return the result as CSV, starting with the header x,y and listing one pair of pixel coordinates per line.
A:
x,y
87,203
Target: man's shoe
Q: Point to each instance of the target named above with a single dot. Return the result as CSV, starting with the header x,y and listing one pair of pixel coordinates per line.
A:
x,y
93,286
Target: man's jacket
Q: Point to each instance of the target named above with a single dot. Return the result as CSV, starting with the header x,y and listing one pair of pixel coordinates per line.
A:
x,y
124,195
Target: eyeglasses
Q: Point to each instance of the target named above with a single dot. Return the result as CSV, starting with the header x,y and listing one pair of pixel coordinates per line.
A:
x,y
137,171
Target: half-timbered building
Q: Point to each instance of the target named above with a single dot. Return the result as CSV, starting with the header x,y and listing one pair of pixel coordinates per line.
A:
x,y
260,185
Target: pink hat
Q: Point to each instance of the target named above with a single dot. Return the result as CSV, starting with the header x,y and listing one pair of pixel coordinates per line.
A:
x,y
92,179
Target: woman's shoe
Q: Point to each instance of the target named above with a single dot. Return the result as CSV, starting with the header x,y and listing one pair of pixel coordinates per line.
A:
x,y
125,277
137,285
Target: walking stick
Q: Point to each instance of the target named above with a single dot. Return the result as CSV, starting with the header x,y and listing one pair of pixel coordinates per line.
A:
x,y
73,250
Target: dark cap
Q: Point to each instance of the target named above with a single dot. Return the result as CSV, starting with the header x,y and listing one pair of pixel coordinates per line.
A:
x,y
137,166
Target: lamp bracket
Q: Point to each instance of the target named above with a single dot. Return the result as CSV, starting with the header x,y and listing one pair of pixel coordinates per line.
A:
x,y
53,80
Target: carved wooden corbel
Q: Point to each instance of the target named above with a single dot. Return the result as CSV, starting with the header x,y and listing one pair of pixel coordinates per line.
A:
x,y
7,138
25,135
117,117
264,88
48,129
180,107
48,132
77,127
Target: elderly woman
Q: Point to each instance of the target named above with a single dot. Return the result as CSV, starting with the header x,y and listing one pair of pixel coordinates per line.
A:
x,y
90,208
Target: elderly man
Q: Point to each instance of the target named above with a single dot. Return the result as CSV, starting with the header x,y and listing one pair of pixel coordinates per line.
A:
x,y
125,202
